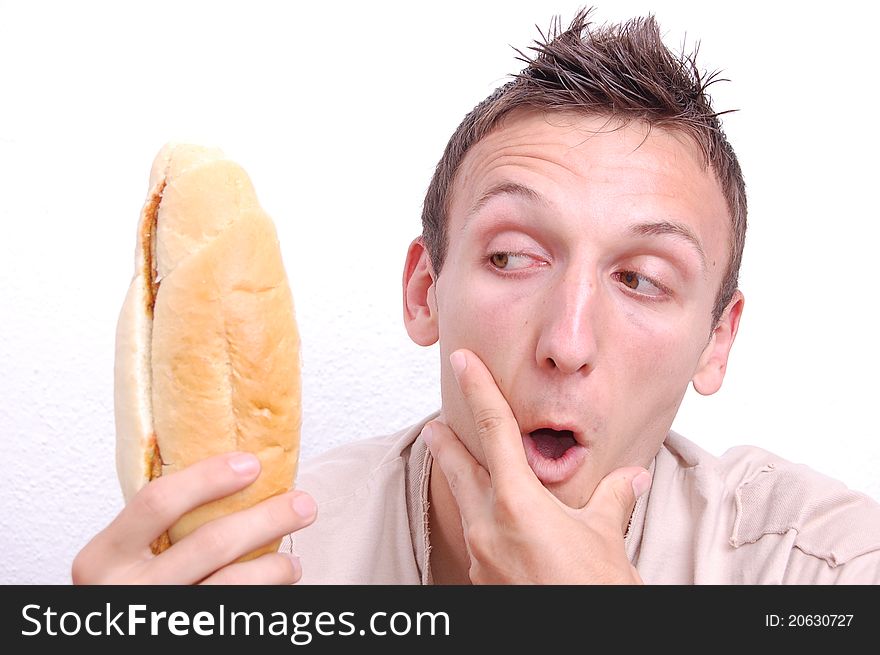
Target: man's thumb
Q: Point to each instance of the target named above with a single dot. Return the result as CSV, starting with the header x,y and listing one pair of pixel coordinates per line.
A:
x,y
616,495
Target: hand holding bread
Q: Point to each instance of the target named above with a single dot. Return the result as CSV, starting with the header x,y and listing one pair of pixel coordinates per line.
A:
x,y
207,364
120,554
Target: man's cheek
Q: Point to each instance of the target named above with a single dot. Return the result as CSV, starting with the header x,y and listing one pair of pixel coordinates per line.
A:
x,y
657,374
652,352
491,324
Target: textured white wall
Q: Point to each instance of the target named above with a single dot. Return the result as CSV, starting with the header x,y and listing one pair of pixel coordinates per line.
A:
x,y
339,114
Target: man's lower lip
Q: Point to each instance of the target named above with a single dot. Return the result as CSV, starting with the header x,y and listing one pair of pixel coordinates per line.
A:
x,y
551,471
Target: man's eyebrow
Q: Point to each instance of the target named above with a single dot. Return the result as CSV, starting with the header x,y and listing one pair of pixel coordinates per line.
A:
x,y
674,229
650,228
509,189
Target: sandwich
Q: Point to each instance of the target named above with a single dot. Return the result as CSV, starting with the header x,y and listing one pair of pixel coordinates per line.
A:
x,y
207,356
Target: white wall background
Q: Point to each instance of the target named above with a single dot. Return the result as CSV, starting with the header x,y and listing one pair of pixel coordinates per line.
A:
x,y
339,115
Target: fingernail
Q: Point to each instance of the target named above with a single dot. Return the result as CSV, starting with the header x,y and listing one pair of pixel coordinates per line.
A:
x,y
304,505
458,361
427,433
641,483
244,464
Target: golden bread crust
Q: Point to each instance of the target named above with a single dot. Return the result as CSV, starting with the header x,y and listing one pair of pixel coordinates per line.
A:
x,y
224,360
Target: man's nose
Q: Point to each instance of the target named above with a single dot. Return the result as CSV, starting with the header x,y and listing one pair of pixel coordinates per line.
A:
x,y
568,339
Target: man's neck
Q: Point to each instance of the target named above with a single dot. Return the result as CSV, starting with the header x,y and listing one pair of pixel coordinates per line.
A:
x,y
449,559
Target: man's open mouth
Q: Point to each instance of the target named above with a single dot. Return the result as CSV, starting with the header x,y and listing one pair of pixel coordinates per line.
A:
x,y
552,444
554,455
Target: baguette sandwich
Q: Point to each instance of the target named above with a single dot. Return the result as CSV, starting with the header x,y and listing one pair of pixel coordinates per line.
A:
x,y
207,348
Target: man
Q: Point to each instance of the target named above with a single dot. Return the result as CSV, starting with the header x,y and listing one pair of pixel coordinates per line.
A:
x,y
582,238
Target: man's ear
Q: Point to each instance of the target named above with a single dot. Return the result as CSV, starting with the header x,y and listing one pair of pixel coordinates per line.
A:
x,y
713,361
419,300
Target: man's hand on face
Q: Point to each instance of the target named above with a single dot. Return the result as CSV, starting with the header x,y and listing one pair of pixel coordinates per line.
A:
x,y
516,531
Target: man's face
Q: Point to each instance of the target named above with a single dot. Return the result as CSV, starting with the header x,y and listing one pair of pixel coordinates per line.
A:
x,y
582,267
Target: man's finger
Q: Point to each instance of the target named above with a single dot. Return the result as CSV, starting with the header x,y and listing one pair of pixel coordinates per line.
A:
x,y
468,481
496,425
223,540
157,506
272,568
615,497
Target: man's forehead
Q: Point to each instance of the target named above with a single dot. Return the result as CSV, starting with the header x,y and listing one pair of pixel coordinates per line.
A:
x,y
565,135
567,129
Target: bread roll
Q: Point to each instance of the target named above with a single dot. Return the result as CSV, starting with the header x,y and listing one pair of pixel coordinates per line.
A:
x,y
207,347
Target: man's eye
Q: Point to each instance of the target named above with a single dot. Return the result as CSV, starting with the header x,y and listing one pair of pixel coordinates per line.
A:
x,y
639,283
508,261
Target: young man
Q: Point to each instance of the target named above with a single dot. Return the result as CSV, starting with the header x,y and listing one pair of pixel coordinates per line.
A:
x,y
578,265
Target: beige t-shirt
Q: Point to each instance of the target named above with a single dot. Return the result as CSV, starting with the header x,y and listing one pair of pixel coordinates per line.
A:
x,y
747,517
